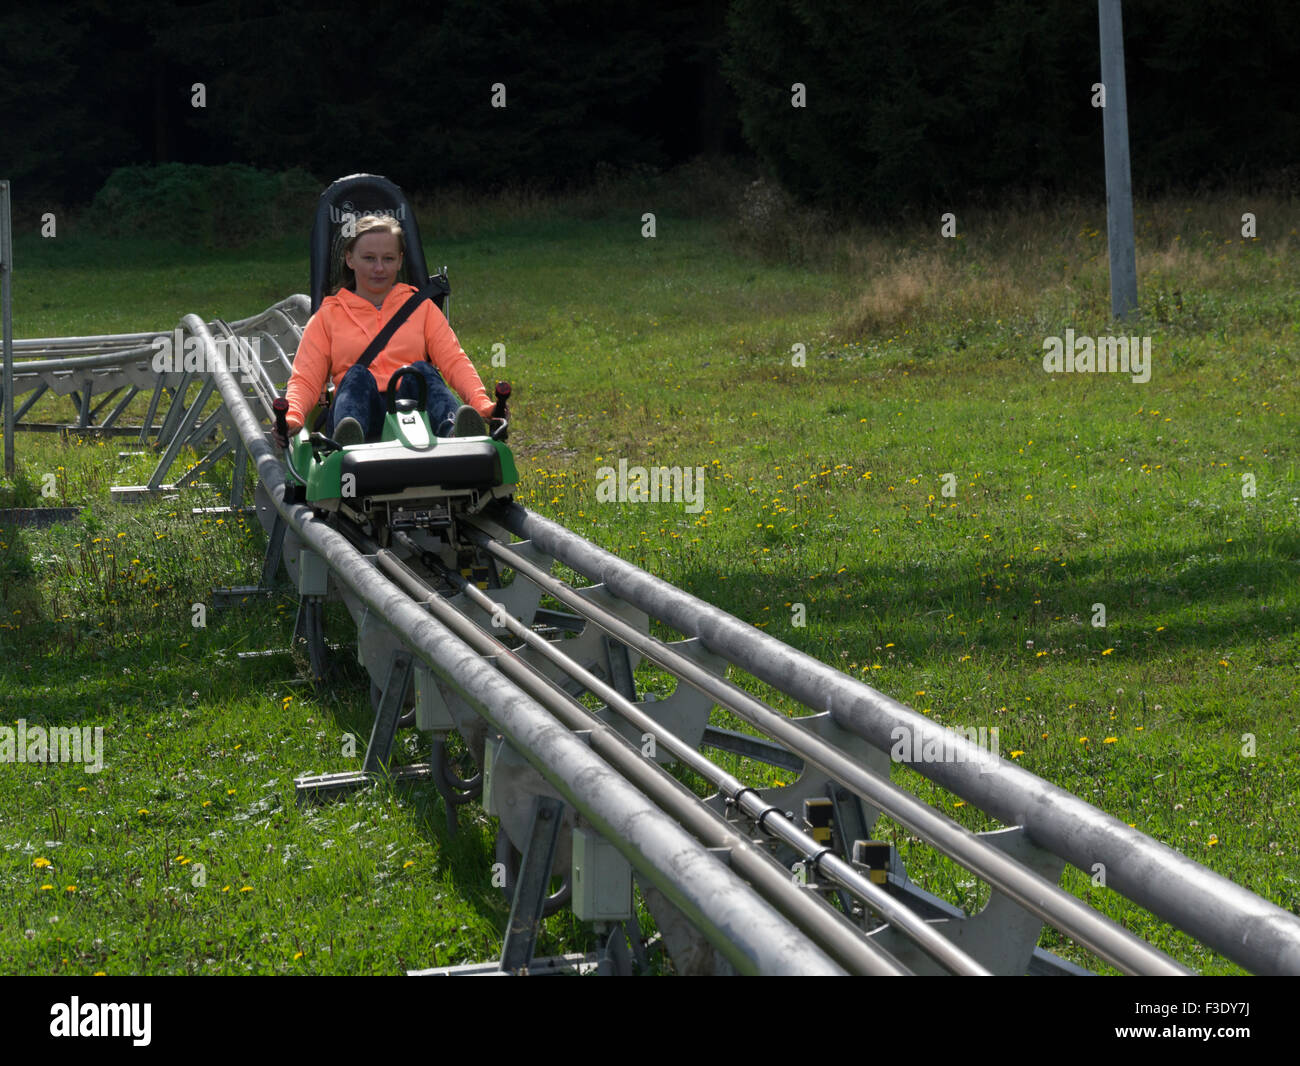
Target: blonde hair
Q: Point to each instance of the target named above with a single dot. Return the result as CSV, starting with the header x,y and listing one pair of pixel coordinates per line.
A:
x,y
365,224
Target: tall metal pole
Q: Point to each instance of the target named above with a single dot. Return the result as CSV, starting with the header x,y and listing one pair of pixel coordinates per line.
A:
x,y
1119,190
7,311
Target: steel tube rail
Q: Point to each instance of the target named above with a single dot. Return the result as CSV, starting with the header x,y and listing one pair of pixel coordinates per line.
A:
x,y
104,340
95,361
1251,931
741,925
829,929
98,340
1036,894
749,802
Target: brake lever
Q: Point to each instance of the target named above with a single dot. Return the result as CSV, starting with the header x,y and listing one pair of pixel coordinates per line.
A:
x,y
319,442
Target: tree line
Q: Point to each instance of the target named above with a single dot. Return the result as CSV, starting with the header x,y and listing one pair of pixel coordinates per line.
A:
x,y
857,106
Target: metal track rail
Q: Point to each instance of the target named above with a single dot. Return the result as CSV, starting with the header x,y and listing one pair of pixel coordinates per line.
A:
x,y
124,365
718,861
827,927
1071,916
1230,919
765,816
739,924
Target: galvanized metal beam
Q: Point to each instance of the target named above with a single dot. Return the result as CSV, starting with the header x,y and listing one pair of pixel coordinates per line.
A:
x,y
745,928
1232,920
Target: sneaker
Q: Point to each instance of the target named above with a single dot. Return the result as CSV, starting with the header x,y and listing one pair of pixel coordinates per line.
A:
x,y
469,423
349,432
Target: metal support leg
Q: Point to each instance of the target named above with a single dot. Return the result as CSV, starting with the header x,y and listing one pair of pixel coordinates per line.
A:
x,y
171,420
620,668
532,886
37,393
380,749
83,416
274,550
632,929
310,627
104,402
182,432
150,414
849,823
209,461
240,474
122,405
615,960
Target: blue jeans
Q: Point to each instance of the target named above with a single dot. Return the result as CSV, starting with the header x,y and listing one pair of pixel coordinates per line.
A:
x,y
358,397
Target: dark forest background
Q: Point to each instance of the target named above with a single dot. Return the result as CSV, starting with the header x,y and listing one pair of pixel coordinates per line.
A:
x,y
907,102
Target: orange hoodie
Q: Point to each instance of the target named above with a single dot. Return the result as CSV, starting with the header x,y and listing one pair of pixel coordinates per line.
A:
x,y
345,323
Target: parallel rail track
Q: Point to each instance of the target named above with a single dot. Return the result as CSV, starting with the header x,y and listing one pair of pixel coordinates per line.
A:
x,y
748,880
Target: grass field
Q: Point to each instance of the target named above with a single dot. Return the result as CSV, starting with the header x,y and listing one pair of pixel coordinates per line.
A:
x,y
949,515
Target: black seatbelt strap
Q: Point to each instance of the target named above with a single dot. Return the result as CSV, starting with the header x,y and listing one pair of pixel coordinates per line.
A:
x,y
381,339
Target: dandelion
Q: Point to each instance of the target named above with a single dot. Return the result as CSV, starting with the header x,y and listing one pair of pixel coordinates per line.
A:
x,y
40,864
408,864
46,888
1108,651
1083,740
1016,754
70,888
297,955
247,888
1212,841
1111,740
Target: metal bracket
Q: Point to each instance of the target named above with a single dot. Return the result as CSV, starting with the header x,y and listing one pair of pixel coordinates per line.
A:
x,y
380,749
532,886
310,627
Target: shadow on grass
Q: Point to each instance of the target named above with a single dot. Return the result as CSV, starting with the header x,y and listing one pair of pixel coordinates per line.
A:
x,y
1206,598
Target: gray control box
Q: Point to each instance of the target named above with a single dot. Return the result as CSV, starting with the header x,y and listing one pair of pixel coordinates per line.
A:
x,y
602,879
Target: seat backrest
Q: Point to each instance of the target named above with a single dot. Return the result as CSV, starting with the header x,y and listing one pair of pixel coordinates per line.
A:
x,y
357,195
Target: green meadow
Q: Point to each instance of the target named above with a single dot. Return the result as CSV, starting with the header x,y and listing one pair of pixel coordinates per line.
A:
x,y
1106,571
